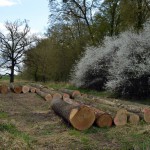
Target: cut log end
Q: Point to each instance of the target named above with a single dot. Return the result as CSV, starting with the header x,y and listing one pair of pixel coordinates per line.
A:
x,y
48,97
18,89
25,89
76,94
57,95
32,89
121,118
147,115
82,119
65,95
134,119
4,89
104,120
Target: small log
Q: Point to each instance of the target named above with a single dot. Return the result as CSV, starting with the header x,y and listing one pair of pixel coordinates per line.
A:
x,y
4,89
121,117
134,118
55,94
25,89
72,93
46,96
80,117
146,112
16,88
32,89
103,119
38,86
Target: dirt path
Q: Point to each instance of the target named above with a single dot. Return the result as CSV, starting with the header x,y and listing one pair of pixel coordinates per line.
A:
x,y
35,126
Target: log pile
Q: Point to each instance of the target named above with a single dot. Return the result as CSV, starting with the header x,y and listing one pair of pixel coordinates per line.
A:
x,y
82,111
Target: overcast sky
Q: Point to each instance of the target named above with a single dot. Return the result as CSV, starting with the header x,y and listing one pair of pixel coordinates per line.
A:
x,y
36,11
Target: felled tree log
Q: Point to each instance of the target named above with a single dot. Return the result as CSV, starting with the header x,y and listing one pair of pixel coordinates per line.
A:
x,y
134,118
25,89
16,88
80,117
146,112
46,96
32,89
4,89
55,94
121,117
72,93
103,119
38,86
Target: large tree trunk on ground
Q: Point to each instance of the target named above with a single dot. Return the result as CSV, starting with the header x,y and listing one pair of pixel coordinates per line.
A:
x,y
80,117
103,119
72,93
3,89
46,96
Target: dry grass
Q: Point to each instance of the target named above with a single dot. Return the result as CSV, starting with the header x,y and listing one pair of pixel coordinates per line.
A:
x,y
27,122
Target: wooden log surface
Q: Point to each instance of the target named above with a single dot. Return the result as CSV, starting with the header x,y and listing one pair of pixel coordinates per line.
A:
x,y
3,89
103,119
72,93
146,112
80,117
121,117
16,88
25,88
55,94
46,96
32,89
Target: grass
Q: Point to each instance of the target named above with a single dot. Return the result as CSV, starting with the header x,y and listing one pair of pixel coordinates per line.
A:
x,y
3,115
15,132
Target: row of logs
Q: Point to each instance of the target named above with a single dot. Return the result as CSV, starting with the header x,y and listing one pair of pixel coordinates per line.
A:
x,y
72,106
81,111
16,88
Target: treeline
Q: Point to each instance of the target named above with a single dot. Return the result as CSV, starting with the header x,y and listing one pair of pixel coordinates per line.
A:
x,y
76,24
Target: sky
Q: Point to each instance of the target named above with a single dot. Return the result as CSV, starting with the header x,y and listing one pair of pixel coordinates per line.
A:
x,y
35,11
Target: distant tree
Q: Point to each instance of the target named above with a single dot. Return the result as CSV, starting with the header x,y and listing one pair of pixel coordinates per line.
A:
x,y
134,13
13,44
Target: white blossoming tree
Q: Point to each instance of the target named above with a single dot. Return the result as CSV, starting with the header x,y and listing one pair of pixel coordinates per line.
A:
x,y
130,69
121,65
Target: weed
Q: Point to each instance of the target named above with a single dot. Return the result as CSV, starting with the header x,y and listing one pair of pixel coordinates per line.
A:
x,y
16,133
3,115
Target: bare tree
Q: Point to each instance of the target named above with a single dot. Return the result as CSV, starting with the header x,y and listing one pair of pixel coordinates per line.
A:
x,y
13,43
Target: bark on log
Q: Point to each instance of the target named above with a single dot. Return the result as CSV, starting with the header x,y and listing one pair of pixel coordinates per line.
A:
x,y
80,117
38,86
103,119
72,93
55,94
25,89
16,88
4,89
46,96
